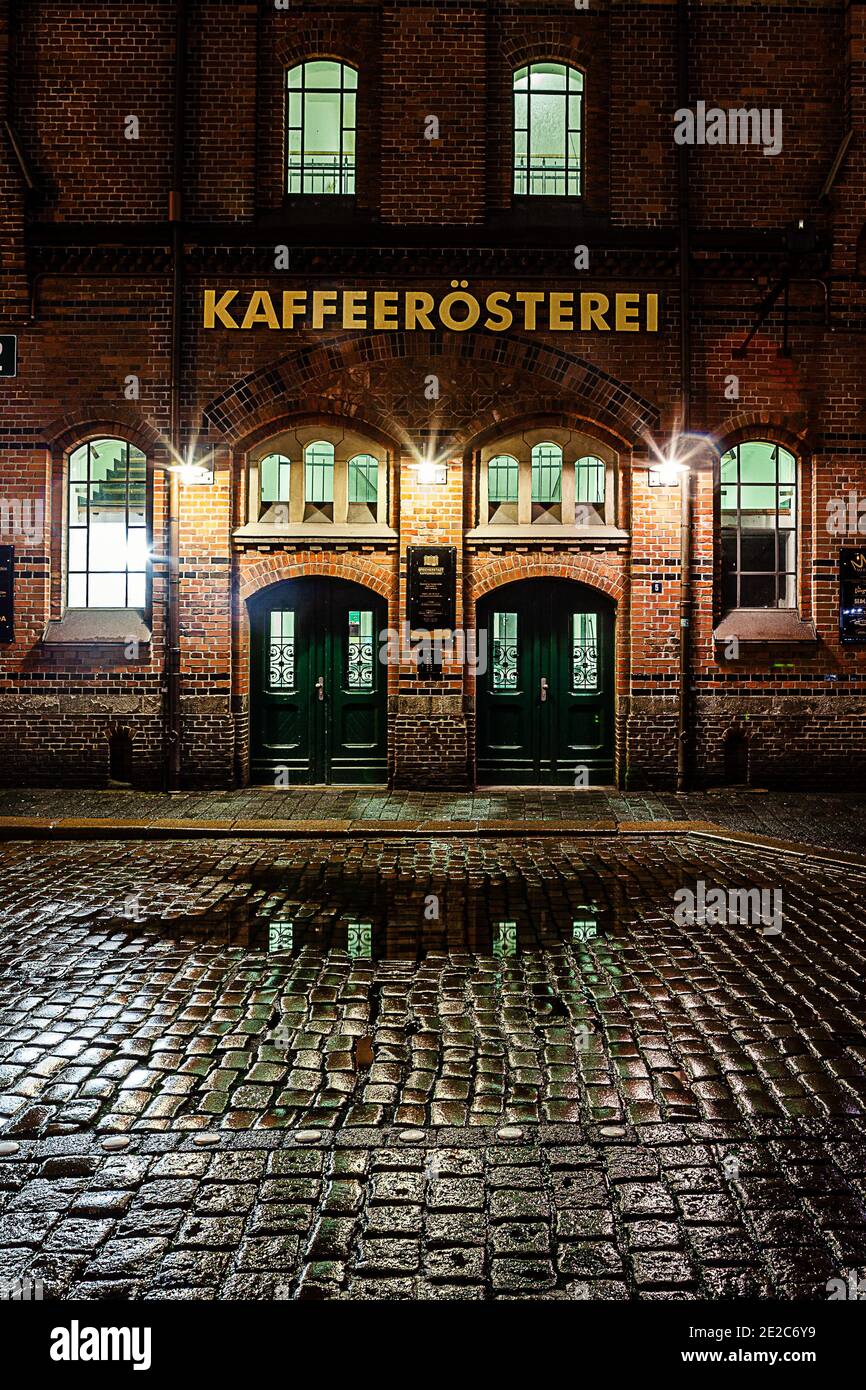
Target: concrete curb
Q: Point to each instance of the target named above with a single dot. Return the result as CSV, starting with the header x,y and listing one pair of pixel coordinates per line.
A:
x,y
40,828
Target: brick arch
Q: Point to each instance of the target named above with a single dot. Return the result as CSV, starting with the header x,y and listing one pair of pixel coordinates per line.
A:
x,y
304,381
77,426
583,569
556,48
277,567
740,428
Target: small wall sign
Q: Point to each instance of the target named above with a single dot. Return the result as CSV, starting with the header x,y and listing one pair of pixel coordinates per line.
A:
x,y
432,584
7,579
852,595
8,354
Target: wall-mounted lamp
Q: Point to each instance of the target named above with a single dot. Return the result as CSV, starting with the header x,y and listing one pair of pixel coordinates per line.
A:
x,y
193,474
430,474
666,474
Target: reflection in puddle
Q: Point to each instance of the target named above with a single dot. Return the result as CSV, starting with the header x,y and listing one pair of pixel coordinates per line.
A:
x,y
387,915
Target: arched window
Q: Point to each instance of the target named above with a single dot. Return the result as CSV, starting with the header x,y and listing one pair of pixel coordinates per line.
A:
x,y
548,121
589,474
546,482
758,482
503,483
547,477
363,479
320,127
275,472
106,526
319,480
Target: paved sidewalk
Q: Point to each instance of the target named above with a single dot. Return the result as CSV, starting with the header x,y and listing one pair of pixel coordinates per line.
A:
x,y
835,821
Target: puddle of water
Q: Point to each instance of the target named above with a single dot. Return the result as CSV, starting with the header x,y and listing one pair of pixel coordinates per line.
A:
x,y
372,919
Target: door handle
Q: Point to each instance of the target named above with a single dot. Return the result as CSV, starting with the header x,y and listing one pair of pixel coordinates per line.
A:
x,y
320,688
543,689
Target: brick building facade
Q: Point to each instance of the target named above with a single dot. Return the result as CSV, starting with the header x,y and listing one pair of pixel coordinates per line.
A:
x,y
158,156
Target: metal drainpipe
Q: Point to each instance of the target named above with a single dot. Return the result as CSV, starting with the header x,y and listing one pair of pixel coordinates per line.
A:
x,y
175,214
683,728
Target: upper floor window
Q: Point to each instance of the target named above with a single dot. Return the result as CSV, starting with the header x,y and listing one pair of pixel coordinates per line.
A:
x,y
320,127
301,480
759,526
548,122
106,526
555,477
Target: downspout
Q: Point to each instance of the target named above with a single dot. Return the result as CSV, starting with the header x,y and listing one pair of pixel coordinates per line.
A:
x,y
683,729
175,213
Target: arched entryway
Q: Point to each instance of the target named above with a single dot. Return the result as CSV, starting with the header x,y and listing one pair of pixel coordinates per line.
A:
x,y
318,695
546,697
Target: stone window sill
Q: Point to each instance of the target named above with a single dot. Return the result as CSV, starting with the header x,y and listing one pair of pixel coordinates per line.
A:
x,y
544,535
766,625
299,532
97,627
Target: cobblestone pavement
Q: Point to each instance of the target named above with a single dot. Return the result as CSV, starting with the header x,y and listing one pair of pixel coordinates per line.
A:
x,y
837,821
469,1069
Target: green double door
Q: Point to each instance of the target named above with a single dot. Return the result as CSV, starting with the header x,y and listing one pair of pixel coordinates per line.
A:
x,y
318,698
546,698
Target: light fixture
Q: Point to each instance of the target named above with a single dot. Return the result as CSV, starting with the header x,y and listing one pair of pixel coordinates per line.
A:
x,y
666,474
430,473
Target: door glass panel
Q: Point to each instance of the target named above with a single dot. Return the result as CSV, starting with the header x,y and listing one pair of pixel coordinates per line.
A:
x,y
505,940
584,651
359,662
359,940
281,650
504,654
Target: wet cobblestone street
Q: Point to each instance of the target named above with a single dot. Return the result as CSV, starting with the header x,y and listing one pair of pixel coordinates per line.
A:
x,y
428,1067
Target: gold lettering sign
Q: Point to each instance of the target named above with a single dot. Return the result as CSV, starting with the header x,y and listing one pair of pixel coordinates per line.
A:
x,y
458,310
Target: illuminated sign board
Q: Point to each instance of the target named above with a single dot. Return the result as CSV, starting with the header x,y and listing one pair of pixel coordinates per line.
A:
x,y
456,310
852,595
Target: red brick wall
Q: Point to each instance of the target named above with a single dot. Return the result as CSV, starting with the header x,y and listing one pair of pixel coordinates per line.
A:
x,y
77,69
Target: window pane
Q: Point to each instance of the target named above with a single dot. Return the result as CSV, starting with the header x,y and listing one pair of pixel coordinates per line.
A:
x,y
728,466
359,664
758,462
78,505
504,653
758,551
584,651
275,476
107,542
78,549
757,591
322,74
136,591
787,507
546,473
106,591
589,479
502,476
363,479
136,550
281,650
319,472
76,591
78,465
